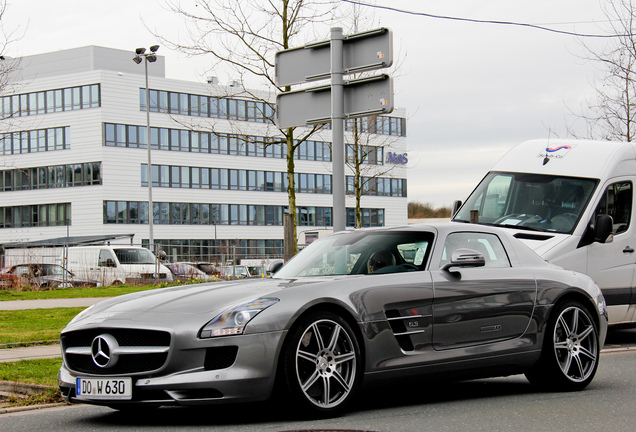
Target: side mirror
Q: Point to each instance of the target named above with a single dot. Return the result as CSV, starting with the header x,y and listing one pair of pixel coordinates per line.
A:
x,y
275,267
456,205
603,228
465,258
110,263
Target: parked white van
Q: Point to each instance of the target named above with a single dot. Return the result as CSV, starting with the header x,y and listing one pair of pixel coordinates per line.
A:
x,y
573,203
111,265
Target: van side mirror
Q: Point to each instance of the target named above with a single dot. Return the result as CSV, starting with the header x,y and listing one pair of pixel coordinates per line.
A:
x,y
456,205
603,228
110,263
465,258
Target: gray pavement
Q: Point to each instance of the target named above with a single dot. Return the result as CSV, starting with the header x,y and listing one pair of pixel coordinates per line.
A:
x,y
49,303
40,351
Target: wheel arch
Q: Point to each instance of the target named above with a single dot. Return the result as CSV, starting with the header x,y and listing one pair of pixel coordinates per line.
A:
x,y
577,296
582,298
323,306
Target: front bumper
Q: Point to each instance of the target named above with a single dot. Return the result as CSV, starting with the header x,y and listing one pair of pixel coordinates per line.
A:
x,y
199,381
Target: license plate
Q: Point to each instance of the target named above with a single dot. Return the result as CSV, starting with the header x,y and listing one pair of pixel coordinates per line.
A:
x,y
103,388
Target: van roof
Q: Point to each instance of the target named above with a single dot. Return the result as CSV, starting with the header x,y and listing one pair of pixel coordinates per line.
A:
x,y
575,158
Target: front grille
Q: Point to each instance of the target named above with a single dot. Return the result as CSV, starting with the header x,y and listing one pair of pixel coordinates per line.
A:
x,y
129,364
145,351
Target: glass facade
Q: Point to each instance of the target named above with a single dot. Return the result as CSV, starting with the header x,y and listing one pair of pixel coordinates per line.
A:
x,y
37,215
33,141
233,179
49,177
378,186
131,136
171,213
50,101
251,111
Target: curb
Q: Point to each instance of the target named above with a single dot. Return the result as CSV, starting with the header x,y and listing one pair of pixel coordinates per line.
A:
x,y
31,407
24,388
29,390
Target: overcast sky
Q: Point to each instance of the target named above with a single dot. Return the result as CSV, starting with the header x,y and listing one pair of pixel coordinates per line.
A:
x,y
471,90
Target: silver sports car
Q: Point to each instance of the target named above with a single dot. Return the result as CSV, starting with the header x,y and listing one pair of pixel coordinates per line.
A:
x,y
463,300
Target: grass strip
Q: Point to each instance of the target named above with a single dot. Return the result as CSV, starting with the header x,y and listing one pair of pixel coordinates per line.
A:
x,y
32,325
37,371
72,292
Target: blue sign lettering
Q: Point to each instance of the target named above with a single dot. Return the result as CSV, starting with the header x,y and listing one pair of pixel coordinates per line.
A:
x,y
397,158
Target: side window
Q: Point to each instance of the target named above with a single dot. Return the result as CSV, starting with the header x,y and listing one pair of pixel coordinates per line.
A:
x,y
21,271
104,256
488,244
617,203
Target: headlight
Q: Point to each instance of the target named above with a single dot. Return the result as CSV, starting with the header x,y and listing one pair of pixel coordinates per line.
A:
x,y
233,321
80,315
600,303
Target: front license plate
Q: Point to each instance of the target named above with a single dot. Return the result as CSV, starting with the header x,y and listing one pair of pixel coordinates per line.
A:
x,y
103,388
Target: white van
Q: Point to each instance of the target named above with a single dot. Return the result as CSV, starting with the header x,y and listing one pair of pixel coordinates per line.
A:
x,y
573,203
110,265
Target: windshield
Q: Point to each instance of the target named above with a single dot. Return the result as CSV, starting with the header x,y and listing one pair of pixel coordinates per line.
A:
x,y
529,201
51,270
361,252
134,256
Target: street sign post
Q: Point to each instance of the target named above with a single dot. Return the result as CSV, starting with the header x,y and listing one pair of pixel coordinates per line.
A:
x,y
333,59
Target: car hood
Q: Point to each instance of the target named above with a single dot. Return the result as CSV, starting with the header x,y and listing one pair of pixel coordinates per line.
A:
x,y
540,242
208,299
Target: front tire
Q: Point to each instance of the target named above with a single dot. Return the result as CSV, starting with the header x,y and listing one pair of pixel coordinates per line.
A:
x,y
323,364
570,354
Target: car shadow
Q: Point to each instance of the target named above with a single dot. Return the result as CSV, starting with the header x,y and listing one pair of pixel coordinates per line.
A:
x,y
621,336
403,393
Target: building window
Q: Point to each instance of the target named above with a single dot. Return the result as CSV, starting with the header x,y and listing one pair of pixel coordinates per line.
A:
x,y
47,177
37,215
49,101
35,141
135,212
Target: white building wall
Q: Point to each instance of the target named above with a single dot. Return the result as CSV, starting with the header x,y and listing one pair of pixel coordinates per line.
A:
x,y
121,167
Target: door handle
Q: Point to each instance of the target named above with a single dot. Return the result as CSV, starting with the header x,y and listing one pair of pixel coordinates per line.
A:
x,y
628,250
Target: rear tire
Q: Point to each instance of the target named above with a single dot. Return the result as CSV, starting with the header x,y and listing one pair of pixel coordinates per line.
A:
x,y
570,353
322,364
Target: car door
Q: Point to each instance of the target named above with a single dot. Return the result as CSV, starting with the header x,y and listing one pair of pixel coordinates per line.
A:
x,y
480,305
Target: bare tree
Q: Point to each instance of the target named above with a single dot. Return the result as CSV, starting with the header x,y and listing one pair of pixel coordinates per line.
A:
x,y
242,37
363,145
612,115
362,159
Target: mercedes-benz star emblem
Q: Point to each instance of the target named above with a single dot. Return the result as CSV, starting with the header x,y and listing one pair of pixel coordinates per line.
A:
x,y
104,351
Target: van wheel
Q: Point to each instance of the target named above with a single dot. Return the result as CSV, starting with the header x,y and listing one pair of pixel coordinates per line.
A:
x,y
117,283
570,353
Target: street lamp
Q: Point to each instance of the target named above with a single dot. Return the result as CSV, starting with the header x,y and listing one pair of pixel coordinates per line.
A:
x,y
140,55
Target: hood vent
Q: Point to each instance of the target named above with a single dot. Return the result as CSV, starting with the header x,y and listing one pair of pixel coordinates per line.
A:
x,y
527,236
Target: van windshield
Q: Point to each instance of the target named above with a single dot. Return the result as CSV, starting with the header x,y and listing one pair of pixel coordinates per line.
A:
x,y
535,202
134,256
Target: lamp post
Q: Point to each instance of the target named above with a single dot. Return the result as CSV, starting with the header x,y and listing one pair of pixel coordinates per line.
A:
x,y
140,55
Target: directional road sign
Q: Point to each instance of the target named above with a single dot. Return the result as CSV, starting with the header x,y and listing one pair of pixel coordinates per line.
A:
x,y
361,52
363,97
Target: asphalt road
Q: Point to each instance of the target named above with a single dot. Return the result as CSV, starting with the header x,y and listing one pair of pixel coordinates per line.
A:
x,y
502,404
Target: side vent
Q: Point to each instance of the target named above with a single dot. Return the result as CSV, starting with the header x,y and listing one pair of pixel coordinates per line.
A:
x,y
399,329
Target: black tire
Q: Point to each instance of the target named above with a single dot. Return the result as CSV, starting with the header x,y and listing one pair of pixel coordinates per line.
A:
x,y
322,364
570,352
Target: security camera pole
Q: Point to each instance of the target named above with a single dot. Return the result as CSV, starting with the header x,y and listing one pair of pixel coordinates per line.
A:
x,y
140,55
